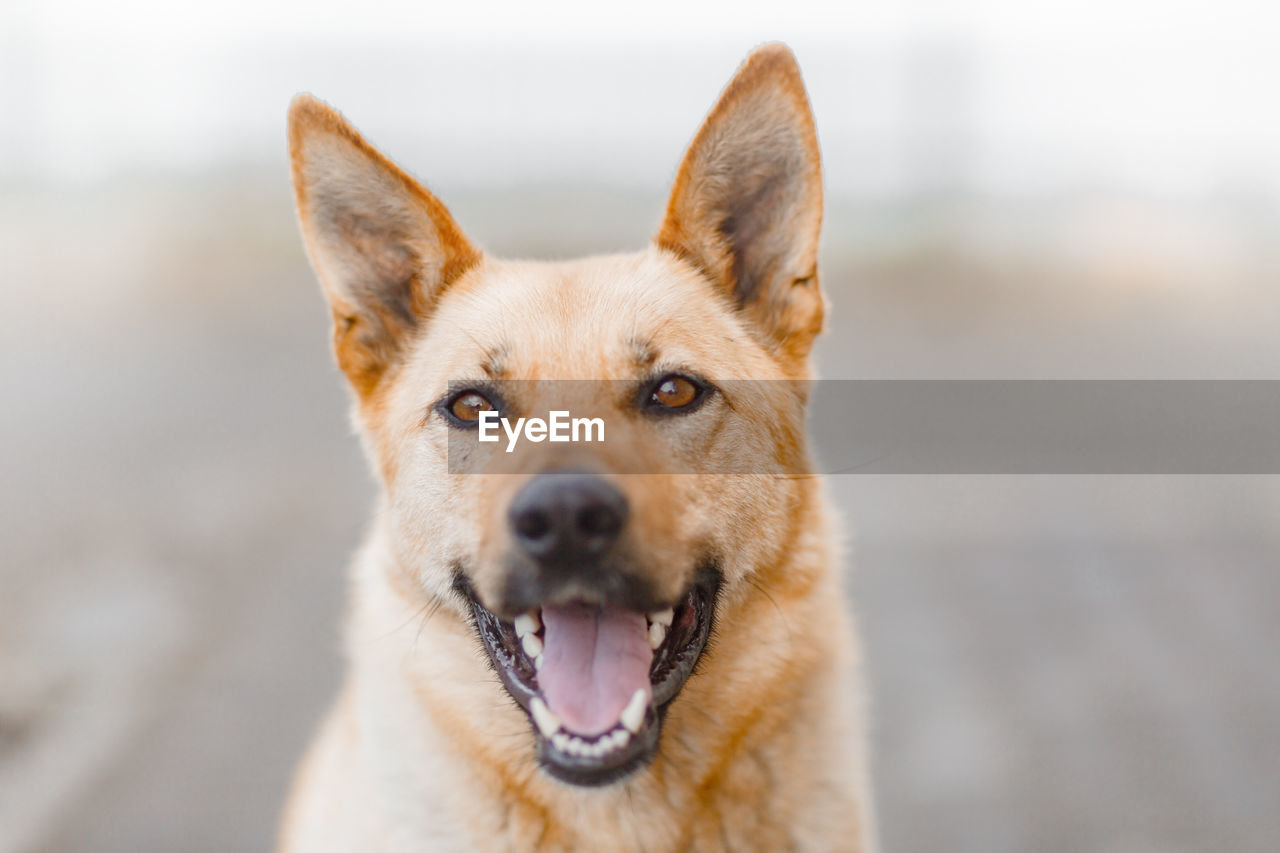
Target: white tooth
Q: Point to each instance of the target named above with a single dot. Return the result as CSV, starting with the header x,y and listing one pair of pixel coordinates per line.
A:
x,y
633,714
561,741
620,738
546,721
537,662
576,746
527,623
657,633
532,645
663,617
600,748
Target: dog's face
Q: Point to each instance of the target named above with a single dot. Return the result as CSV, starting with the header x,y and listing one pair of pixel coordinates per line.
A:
x,y
592,573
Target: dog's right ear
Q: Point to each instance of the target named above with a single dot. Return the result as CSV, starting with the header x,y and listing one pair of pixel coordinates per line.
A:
x,y
383,247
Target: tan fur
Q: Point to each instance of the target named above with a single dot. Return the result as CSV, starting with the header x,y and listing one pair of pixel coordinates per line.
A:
x,y
763,748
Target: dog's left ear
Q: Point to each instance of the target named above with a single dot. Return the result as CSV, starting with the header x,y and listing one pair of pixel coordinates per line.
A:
x,y
746,208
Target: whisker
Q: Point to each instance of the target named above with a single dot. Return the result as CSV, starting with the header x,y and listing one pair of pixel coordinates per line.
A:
x,y
417,613
786,623
430,610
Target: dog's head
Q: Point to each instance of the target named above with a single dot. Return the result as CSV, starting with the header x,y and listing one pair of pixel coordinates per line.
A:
x,y
592,573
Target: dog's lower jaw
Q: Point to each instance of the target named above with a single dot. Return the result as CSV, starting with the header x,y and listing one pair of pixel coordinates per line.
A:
x,y
677,637
761,751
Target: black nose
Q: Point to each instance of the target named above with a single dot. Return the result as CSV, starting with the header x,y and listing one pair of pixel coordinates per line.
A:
x,y
567,517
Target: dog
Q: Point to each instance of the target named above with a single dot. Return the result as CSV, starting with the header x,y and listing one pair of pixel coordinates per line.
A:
x,y
639,645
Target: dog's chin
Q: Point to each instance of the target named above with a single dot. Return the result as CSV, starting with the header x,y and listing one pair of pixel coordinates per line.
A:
x,y
601,757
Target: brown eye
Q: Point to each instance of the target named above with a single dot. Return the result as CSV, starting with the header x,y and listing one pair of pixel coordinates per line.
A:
x,y
468,405
675,392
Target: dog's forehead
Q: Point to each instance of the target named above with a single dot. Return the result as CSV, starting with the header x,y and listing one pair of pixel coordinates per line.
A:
x,y
601,317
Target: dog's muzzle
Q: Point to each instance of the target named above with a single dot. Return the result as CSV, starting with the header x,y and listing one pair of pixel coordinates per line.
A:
x,y
590,652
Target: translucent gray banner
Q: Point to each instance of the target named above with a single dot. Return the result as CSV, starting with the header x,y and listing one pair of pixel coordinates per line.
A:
x,y
879,427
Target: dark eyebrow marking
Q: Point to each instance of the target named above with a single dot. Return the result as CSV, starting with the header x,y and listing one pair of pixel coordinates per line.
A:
x,y
494,364
644,352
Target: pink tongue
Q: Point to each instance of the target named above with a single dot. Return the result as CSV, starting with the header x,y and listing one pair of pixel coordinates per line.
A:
x,y
594,660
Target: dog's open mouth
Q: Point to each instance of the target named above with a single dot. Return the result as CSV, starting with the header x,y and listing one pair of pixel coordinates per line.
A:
x,y
596,681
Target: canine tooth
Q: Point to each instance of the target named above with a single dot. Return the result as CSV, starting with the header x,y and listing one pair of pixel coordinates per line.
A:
x,y
633,714
543,716
537,661
527,623
657,633
532,645
561,741
663,617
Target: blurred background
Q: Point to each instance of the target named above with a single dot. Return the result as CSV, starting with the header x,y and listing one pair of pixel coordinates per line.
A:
x,y
1086,190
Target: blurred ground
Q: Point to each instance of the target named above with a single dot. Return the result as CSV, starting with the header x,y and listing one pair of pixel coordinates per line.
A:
x,y
1057,663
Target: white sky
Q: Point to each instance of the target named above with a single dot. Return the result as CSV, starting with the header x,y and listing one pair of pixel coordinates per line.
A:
x,y
1005,95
